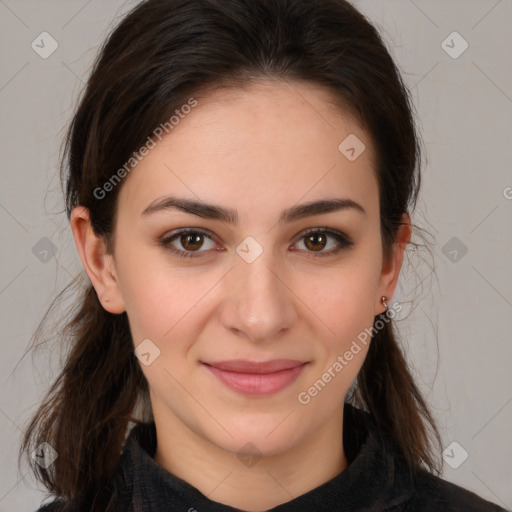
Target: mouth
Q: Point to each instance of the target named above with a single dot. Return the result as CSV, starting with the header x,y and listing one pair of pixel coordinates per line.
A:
x,y
256,378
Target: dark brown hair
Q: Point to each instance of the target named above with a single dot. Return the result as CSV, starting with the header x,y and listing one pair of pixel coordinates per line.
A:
x,y
161,54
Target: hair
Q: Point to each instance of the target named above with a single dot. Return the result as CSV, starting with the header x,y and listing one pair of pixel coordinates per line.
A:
x,y
162,53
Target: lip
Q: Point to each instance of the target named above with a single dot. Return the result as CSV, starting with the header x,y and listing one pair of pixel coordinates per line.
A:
x,y
256,378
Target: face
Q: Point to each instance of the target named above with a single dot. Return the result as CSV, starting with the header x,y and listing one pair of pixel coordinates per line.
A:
x,y
258,286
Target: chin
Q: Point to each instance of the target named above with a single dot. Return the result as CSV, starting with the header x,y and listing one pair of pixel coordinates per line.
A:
x,y
257,440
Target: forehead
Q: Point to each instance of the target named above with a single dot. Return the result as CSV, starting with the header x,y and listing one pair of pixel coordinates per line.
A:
x,y
249,148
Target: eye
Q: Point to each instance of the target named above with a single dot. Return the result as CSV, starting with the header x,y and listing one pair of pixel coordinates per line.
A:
x,y
315,240
190,239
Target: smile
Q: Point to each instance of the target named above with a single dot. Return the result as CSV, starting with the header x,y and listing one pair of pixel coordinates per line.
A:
x,y
256,379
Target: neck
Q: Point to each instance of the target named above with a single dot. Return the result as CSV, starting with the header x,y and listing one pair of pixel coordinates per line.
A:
x,y
255,483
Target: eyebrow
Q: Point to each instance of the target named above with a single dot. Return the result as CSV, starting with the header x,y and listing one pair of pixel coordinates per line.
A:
x,y
230,216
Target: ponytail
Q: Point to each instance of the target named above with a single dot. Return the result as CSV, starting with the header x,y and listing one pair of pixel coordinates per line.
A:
x,y
386,389
84,416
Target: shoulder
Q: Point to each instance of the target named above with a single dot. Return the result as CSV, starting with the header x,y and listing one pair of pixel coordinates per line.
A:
x,y
106,500
60,504
57,505
435,493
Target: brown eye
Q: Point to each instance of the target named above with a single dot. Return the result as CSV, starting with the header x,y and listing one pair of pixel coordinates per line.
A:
x,y
189,241
316,240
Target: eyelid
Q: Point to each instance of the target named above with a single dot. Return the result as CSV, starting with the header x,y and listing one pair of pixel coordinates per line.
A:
x,y
342,239
172,235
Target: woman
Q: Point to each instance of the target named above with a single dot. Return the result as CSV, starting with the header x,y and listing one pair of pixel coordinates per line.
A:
x,y
239,181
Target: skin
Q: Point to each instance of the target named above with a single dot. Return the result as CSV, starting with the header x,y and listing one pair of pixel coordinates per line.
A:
x,y
259,150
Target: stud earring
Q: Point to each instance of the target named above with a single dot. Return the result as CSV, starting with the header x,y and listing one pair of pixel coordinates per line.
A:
x,y
384,299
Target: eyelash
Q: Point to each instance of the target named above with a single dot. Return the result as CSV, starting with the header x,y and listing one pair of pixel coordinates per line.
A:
x,y
344,241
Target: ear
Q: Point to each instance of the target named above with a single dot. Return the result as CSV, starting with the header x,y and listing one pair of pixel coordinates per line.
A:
x,y
97,263
391,268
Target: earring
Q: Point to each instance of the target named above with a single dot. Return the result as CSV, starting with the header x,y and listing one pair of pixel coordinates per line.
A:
x,y
384,299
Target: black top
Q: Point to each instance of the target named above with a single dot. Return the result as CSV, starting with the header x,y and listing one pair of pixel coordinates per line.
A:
x,y
376,480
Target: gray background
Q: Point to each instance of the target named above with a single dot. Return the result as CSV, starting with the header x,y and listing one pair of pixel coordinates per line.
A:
x,y
458,305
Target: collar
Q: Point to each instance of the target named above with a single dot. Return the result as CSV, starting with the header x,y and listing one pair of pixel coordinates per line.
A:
x,y
376,478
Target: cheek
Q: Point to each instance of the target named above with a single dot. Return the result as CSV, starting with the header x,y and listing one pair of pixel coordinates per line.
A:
x,y
146,291
344,351
345,307
345,299
163,302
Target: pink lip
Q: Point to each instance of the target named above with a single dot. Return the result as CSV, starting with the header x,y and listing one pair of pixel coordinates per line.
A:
x,y
256,379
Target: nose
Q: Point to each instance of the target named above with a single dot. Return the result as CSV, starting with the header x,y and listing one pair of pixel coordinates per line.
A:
x,y
261,304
